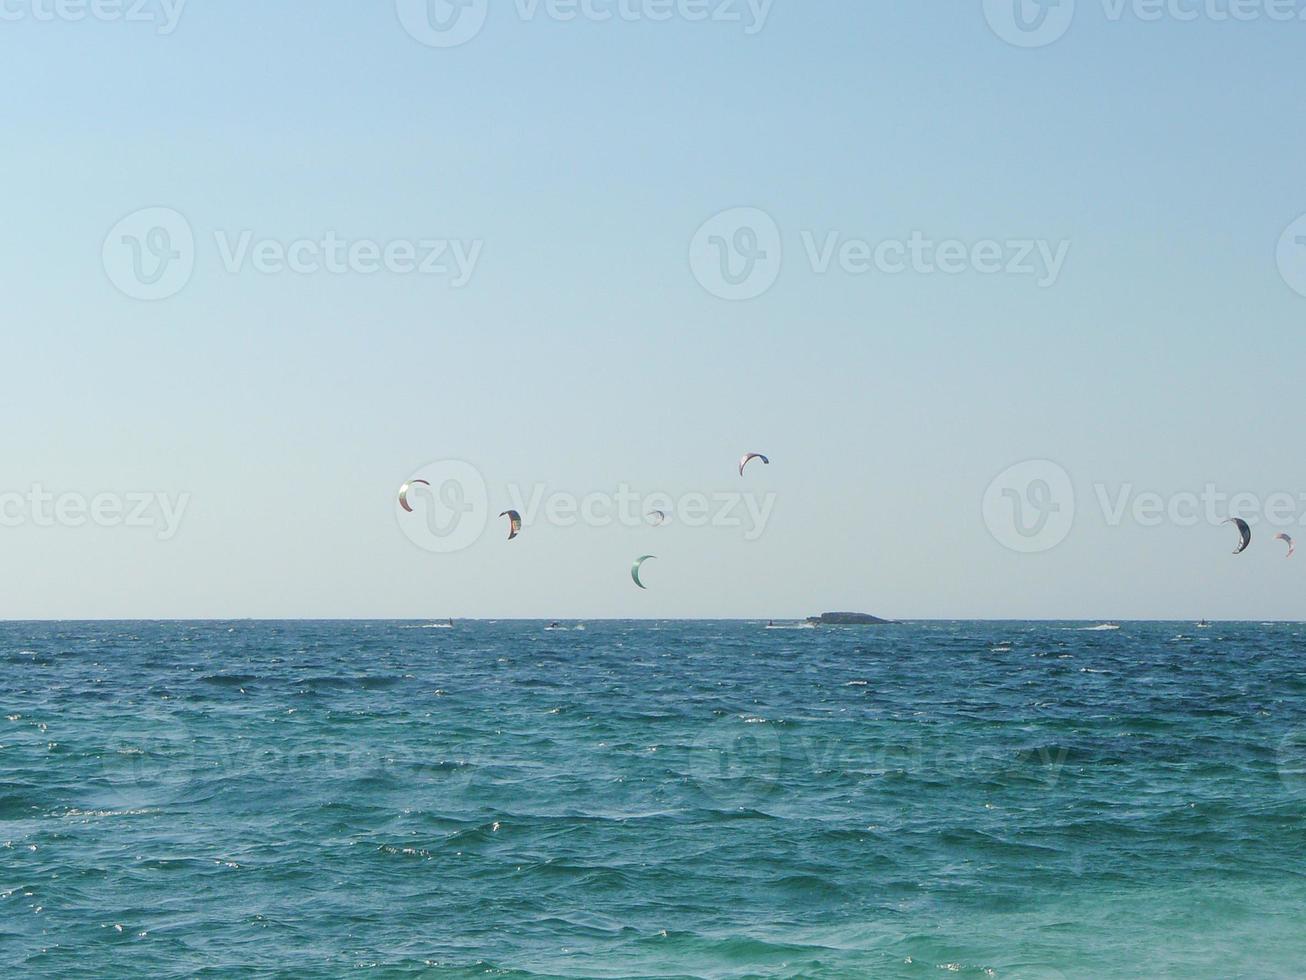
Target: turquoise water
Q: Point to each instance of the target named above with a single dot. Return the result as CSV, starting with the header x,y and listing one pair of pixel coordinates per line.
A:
x,y
642,799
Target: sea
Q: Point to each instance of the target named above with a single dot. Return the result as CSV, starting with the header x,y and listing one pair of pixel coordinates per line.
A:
x,y
652,799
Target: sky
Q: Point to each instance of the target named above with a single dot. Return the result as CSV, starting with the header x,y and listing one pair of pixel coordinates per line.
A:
x,y
264,262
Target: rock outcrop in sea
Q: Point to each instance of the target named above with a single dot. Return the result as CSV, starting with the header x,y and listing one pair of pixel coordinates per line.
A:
x,y
848,619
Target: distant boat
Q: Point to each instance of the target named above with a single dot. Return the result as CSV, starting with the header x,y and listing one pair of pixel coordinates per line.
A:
x,y
1203,625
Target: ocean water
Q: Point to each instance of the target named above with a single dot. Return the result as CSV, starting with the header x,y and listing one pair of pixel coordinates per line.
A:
x,y
1012,800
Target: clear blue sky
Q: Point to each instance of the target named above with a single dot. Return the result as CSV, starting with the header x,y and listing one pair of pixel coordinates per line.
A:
x,y
583,353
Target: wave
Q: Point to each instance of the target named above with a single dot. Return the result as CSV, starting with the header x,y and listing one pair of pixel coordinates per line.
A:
x,y
229,680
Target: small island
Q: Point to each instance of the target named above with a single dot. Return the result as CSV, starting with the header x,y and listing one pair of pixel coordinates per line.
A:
x,y
848,619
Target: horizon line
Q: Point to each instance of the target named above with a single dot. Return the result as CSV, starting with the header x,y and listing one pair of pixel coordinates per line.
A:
x,y
615,619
